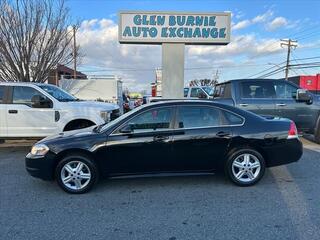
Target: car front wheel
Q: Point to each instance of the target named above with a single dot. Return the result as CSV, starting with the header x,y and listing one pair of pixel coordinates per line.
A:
x,y
245,167
76,174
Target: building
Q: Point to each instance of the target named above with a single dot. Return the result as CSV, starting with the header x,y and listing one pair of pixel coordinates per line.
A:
x,y
158,82
62,71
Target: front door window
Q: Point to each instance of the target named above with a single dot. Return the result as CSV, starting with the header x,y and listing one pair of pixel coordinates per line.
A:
x,y
151,120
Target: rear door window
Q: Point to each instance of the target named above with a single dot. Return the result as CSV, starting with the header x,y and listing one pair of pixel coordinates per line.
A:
x,y
198,116
257,89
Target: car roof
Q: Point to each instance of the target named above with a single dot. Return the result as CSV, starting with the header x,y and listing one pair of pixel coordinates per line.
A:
x,y
169,102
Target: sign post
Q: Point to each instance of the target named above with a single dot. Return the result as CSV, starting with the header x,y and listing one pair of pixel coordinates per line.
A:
x,y
174,30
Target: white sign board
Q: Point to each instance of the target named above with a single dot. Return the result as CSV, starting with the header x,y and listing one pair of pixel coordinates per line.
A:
x,y
173,27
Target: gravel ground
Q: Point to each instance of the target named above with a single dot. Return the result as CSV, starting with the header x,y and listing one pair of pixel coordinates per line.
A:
x,y
284,205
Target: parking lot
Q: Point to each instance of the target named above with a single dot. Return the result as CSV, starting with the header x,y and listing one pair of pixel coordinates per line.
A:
x,y
284,205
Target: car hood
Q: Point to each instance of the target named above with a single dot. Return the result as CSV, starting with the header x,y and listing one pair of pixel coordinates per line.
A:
x,y
70,134
92,104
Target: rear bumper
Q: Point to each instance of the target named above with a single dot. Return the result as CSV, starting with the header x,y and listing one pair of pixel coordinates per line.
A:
x,y
41,167
285,153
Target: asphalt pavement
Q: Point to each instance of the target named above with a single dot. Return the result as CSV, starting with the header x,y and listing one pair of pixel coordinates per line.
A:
x,y
284,205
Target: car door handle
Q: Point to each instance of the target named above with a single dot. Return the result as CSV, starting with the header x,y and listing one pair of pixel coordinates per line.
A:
x,y
243,104
281,104
223,134
13,111
160,138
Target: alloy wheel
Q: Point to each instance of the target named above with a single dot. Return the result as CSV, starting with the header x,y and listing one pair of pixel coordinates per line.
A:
x,y
246,168
75,175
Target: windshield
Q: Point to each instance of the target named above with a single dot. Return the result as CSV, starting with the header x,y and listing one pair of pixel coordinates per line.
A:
x,y
119,119
208,90
58,93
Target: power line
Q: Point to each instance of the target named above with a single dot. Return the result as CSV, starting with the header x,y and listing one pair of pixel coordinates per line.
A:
x,y
191,68
292,66
294,59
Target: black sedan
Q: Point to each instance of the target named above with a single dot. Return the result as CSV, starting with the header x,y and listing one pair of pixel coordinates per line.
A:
x,y
175,137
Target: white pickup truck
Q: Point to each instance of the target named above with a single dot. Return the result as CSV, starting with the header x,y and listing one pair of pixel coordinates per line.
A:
x,y
34,110
202,92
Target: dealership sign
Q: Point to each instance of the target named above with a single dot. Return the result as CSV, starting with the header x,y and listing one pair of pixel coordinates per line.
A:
x,y
170,27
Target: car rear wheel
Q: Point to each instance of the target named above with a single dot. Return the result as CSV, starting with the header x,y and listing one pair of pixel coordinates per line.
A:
x,y
76,174
245,167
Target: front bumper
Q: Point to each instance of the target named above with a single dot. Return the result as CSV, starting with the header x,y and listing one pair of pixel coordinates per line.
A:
x,y
41,167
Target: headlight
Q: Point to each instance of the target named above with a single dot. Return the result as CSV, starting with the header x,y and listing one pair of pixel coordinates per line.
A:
x,y
39,150
105,115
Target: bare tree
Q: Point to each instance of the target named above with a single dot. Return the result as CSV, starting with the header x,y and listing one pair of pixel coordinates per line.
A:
x,y
203,82
206,82
35,36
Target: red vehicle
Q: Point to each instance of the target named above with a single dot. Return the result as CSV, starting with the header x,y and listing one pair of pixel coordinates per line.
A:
x,y
309,82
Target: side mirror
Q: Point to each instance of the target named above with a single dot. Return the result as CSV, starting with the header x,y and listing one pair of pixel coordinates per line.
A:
x,y
38,101
303,95
128,128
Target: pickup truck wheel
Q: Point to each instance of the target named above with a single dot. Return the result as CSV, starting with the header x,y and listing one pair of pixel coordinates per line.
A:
x,y
317,132
245,167
76,174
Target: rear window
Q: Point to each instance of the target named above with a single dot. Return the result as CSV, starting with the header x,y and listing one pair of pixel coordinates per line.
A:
x,y
223,90
1,94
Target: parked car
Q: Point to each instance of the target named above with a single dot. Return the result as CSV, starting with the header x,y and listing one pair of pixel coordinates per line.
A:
x,y
39,110
273,98
203,92
168,137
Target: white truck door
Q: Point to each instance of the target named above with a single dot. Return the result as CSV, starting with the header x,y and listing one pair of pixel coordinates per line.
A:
x,y
3,110
27,119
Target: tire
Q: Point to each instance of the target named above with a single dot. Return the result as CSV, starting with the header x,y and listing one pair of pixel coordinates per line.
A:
x,y
79,172
242,172
317,132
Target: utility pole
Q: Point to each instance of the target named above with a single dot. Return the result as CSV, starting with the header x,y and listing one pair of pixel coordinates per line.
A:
x,y
288,43
74,53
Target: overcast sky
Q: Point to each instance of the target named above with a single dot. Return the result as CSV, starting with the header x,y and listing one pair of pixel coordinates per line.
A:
x,y
257,27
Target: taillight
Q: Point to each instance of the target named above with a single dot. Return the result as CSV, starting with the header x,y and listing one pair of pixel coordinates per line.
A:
x,y
293,132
